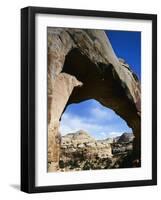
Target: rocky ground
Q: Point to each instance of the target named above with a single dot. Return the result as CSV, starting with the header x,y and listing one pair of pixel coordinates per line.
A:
x,y
79,151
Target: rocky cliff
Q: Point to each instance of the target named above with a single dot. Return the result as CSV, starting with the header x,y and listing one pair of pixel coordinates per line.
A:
x,y
79,151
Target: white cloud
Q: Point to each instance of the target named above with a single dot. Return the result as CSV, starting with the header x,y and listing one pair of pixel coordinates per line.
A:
x,y
114,134
103,134
71,123
98,121
99,113
102,113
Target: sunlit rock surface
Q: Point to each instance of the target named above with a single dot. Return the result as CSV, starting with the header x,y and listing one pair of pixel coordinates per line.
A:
x,y
79,151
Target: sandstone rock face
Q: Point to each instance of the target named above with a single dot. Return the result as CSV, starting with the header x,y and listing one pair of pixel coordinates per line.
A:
x,y
126,137
110,140
122,144
61,90
79,151
120,148
79,57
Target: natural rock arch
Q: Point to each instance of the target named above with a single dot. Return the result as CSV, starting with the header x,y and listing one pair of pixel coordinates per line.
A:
x,y
82,65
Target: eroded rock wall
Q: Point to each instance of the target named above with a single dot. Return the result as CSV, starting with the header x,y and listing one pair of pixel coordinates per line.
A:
x,y
79,151
62,87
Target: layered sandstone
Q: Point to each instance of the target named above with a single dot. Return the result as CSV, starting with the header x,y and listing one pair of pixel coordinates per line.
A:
x,y
79,151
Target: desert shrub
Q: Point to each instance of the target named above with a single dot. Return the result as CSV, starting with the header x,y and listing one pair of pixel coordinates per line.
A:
x,y
87,166
61,164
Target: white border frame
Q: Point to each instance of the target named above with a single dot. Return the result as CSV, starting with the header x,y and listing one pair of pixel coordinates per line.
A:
x,y
42,178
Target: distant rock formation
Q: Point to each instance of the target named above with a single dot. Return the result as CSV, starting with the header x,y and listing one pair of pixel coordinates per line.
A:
x,y
123,138
79,151
126,137
109,140
80,137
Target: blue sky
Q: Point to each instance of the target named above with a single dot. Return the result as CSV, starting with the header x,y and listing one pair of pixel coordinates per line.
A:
x,y
127,45
99,121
